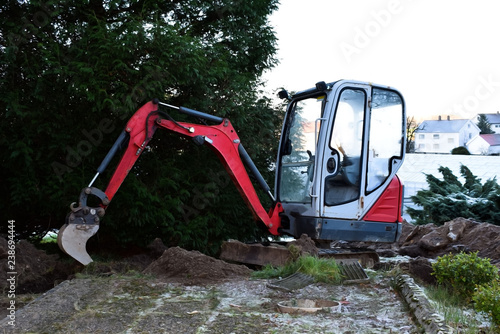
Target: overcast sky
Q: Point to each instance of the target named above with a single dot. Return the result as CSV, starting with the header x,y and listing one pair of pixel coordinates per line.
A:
x,y
443,56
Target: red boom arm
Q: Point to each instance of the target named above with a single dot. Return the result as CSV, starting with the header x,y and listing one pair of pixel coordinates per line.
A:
x,y
221,138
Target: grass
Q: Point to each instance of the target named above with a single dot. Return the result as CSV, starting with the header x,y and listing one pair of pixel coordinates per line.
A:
x,y
457,314
322,269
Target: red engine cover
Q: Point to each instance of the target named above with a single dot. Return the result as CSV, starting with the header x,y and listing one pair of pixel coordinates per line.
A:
x,y
388,206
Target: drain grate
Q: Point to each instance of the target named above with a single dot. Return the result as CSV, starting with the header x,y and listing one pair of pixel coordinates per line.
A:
x,y
292,282
352,271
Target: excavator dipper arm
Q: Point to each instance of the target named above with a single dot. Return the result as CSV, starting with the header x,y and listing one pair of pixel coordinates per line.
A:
x,y
83,221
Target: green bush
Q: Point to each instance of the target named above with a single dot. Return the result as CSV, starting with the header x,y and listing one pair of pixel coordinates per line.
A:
x,y
487,299
461,150
462,272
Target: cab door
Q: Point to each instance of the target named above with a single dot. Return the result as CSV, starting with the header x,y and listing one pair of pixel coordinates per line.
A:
x,y
363,151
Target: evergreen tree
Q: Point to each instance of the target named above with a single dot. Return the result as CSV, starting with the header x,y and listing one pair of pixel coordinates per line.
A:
x,y
448,199
484,125
73,72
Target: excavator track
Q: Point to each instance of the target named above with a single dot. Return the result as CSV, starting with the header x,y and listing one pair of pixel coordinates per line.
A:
x,y
351,261
277,254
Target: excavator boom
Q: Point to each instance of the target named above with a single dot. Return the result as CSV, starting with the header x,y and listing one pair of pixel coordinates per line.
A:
x,y
83,221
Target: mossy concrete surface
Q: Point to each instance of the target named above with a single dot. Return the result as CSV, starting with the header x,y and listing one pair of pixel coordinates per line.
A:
x,y
148,305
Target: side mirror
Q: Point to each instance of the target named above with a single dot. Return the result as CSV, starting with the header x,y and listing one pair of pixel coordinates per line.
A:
x,y
283,94
333,164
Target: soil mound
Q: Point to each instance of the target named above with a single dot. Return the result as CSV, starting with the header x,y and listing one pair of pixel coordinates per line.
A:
x,y
35,270
192,268
457,235
303,246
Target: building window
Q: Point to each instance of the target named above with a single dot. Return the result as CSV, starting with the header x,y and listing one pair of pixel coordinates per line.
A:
x,y
421,146
435,146
421,136
497,125
451,140
435,136
470,135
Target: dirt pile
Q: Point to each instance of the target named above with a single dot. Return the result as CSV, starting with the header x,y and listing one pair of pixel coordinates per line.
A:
x,y
303,246
192,268
457,235
430,241
35,270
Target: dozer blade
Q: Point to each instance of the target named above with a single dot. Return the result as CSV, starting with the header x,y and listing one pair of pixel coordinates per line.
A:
x,y
72,239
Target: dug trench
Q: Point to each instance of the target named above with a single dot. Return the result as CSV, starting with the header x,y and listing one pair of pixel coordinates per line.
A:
x,y
172,290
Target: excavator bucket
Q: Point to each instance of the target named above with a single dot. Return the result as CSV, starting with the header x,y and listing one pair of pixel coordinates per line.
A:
x,y
72,239
81,224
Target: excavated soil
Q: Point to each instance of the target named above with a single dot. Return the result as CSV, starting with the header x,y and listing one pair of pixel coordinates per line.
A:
x,y
192,268
178,291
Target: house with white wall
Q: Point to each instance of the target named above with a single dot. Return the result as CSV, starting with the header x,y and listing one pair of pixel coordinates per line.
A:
x,y
442,136
494,120
485,144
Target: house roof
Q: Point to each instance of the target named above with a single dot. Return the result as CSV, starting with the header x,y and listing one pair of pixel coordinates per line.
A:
x,y
443,126
493,118
492,139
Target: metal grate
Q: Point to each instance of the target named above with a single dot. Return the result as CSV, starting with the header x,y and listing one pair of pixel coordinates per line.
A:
x,y
292,282
352,271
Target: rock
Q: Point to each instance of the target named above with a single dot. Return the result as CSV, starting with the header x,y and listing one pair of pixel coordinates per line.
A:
x,y
406,230
422,268
417,233
387,252
455,249
412,251
434,240
483,237
456,228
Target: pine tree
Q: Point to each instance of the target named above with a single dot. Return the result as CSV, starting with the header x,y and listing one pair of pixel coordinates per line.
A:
x,y
448,198
484,125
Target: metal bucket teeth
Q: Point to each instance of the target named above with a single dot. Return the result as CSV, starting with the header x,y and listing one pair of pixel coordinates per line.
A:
x,y
72,239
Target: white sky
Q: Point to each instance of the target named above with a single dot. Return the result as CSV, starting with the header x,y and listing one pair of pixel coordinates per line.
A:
x,y
442,55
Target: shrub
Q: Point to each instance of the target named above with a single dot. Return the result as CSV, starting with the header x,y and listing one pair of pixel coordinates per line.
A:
x,y
462,272
461,150
448,198
487,299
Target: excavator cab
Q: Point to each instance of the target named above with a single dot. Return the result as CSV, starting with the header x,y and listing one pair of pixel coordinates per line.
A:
x,y
340,149
341,146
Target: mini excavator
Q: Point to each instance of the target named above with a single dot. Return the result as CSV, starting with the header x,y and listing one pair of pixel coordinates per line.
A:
x,y
340,148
